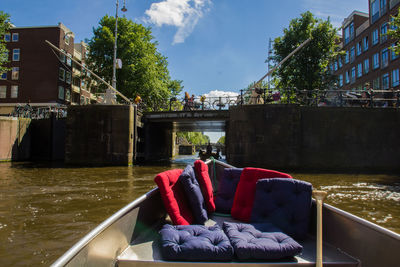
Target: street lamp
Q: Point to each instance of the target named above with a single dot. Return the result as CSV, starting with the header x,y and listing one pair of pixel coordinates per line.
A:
x,y
110,95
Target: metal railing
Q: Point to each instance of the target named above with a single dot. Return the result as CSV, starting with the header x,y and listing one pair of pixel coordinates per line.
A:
x,y
37,113
319,98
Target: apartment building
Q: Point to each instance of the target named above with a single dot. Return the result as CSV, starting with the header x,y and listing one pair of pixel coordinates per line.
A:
x,y
368,59
39,75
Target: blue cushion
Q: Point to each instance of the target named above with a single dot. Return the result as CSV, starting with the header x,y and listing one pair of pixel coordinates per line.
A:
x,y
227,189
193,192
284,202
249,243
195,243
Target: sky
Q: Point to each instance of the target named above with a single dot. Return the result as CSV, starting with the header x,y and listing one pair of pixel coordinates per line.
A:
x,y
212,45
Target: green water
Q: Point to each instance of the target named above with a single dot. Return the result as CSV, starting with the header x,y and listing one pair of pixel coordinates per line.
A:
x,y
45,209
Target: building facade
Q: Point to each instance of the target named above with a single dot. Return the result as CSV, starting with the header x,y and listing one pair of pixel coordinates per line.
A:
x,y
39,75
368,61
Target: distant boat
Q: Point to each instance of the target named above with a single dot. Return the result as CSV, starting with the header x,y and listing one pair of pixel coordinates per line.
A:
x,y
129,238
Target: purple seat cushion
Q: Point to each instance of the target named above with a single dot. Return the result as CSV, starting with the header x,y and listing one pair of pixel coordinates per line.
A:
x,y
285,203
195,243
227,189
249,243
193,192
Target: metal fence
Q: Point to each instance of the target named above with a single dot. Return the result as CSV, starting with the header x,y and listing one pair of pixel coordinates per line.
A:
x,y
37,113
319,98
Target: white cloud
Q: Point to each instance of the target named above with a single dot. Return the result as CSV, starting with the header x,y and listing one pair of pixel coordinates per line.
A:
x,y
217,93
336,10
183,14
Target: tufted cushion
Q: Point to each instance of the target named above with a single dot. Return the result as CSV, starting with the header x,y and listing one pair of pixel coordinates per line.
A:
x,y
173,197
285,203
227,189
244,197
250,243
204,180
195,243
193,193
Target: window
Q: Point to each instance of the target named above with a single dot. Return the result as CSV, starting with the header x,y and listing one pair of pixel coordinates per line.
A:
x,y
366,65
340,62
347,77
16,53
15,73
346,35
385,58
68,94
375,37
3,91
66,38
61,92
384,29
353,74
7,37
385,81
395,77
382,7
352,53
63,57
375,61
69,61
374,10
359,70
3,76
61,74
376,84
340,80
15,37
82,83
68,77
359,48
82,100
346,58
335,66
393,54
365,43
14,91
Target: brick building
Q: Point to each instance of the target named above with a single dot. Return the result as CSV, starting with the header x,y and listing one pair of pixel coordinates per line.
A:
x,y
39,75
368,59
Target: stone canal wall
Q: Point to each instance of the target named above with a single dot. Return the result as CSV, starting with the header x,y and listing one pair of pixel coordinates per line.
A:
x,y
100,135
311,138
15,138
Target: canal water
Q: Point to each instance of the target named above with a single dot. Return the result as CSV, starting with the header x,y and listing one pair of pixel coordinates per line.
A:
x,y
45,209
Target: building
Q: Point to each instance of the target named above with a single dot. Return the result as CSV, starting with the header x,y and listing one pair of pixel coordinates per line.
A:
x,y
368,60
39,75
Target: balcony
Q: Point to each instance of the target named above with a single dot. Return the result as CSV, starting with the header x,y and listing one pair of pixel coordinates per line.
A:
x,y
76,89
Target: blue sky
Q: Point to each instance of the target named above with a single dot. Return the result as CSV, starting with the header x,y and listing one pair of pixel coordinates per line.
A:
x,y
210,44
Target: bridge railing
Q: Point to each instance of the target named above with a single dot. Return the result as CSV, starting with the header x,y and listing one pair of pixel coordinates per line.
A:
x,y
321,98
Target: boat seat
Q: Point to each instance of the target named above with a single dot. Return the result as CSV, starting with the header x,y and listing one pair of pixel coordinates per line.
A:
x,y
244,196
267,242
195,243
286,203
227,189
202,176
173,197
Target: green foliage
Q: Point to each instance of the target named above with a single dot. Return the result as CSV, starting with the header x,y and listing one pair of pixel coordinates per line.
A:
x,y
195,138
221,140
4,28
308,68
394,32
144,70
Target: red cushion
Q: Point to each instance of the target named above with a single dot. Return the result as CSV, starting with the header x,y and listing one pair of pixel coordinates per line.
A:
x,y
173,196
204,180
244,196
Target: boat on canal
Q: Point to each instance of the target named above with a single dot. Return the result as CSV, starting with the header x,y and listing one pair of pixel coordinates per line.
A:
x,y
130,237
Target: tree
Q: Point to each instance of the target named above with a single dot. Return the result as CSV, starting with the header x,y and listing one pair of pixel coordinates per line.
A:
x,y
194,138
394,32
221,140
4,27
144,70
308,68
